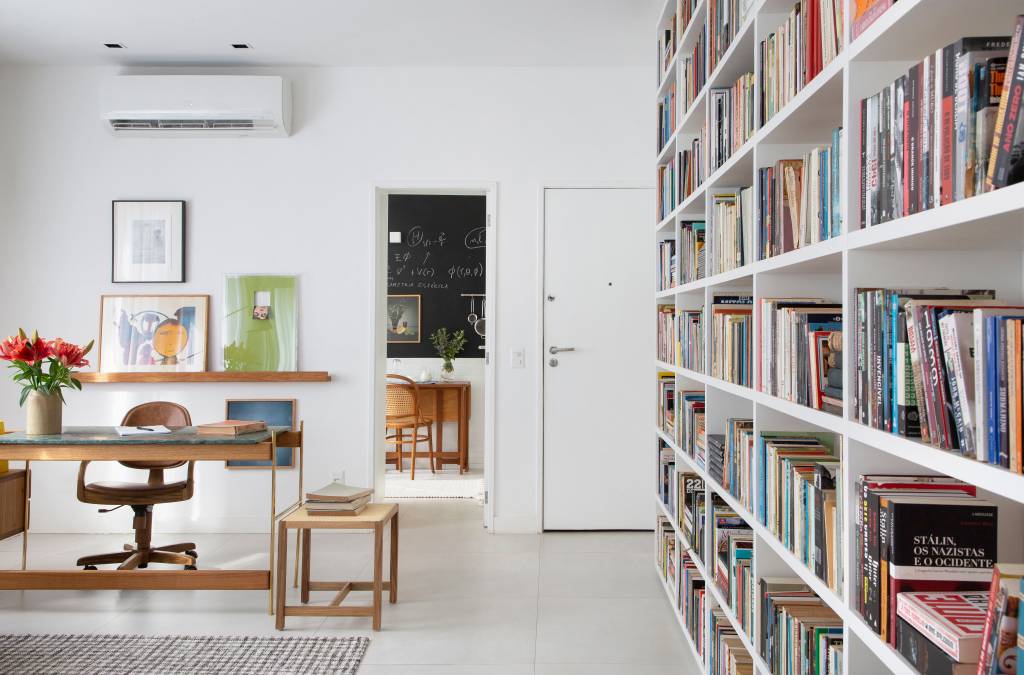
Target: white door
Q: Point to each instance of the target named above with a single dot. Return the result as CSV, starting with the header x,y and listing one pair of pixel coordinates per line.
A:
x,y
599,397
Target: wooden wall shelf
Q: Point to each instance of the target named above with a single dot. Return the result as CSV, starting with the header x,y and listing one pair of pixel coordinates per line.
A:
x,y
174,378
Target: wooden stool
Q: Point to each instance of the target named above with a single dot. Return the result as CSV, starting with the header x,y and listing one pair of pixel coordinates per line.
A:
x,y
375,517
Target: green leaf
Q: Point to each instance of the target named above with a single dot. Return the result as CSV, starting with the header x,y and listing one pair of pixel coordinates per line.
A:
x,y
25,391
76,383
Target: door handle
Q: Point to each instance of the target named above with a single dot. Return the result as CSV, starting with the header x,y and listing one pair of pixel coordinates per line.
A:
x,y
555,350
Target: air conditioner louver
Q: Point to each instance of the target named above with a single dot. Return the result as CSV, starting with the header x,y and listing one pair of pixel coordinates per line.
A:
x,y
190,124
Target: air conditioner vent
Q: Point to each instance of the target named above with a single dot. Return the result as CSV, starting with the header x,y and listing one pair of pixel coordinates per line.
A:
x,y
187,124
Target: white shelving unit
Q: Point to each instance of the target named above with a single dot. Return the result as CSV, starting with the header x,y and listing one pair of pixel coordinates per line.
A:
x,y
974,243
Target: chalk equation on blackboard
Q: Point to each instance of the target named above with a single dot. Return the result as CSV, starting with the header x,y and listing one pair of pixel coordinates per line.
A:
x,y
476,238
418,238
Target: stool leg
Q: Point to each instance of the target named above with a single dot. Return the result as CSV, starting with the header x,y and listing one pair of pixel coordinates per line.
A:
x,y
307,554
378,571
400,447
393,598
415,443
430,450
279,578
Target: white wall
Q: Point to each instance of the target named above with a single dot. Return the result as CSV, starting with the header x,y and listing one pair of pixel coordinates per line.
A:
x,y
297,205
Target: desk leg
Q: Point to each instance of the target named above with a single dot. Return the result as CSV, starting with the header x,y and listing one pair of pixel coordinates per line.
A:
x,y
463,430
24,525
394,560
378,571
307,555
273,517
282,574
439,423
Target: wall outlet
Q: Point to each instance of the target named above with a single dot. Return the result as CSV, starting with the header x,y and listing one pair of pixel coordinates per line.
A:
x,y
338,476
518,358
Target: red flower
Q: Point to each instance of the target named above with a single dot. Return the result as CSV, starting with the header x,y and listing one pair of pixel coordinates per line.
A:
x,y
22,348
70,355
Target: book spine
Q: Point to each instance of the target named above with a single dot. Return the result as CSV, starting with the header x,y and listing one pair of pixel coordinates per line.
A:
x,y
917,366
948,130
961,103
933,630
980,409
954,372
924,655
992,388
987,635
1003,411
935,381
910,135
1008,115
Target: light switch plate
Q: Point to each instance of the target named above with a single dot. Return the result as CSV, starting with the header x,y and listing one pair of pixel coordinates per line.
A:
x,y
394,237
518,358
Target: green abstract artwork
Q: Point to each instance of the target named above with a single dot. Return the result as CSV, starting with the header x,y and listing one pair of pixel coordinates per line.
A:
x,y
261,322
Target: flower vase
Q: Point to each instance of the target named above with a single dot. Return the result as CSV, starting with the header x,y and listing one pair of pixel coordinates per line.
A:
x,y
448,370
44,414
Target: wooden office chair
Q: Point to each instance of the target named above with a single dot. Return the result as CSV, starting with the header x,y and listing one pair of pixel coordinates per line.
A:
x,y
143,496
402,414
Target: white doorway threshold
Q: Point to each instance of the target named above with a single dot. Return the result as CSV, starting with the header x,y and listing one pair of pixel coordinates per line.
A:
x,y
447,484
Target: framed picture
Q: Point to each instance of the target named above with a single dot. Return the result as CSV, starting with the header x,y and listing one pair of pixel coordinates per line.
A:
x,y
261,322
403,318
148,242
153,333
275,412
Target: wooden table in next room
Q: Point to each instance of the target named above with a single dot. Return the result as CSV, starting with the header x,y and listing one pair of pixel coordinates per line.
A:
x,y
104,444
452,399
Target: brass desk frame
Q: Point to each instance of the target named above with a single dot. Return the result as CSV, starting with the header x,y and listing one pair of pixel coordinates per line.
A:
x,y
216,579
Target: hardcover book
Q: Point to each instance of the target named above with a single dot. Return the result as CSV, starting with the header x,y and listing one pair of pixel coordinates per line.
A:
x,y
952,621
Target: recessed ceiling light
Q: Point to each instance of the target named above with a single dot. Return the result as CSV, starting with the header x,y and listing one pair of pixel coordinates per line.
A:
x,y
113,45
240,45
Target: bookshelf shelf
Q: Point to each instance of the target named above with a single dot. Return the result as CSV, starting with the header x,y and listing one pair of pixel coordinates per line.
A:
x,y
976,242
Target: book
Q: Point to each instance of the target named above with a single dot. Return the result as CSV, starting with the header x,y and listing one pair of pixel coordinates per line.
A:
x,y
338,508
338,492
1003,169
731,339
866,12
954,622
998,641
925,656
231,428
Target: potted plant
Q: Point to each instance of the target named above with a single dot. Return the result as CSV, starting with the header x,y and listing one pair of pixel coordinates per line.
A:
x,y
448,346
43,368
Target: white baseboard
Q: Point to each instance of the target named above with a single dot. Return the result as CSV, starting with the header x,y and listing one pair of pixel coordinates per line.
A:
x,y
527,524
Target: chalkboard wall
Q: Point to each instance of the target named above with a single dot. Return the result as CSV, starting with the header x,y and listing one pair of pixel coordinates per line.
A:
x,y
441,255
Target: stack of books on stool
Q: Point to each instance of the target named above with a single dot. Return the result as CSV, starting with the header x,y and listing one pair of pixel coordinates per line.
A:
x,y
337,499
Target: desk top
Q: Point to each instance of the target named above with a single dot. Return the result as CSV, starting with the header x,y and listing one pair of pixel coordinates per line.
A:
x,y
440,384
109,436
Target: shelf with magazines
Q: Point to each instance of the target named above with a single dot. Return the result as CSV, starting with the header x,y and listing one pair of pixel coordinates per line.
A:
x,y
796,222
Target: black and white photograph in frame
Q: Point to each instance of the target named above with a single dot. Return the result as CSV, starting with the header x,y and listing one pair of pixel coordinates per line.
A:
x,y
148,241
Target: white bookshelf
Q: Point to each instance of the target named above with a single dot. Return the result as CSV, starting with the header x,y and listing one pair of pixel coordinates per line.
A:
x,y
975,243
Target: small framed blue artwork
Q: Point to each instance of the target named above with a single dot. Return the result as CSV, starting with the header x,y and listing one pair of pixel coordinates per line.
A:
x,y
279,412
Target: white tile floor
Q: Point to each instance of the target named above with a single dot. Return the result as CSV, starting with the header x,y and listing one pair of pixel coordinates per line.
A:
x,y
469,602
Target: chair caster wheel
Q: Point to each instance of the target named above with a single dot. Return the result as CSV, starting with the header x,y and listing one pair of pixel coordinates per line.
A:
x,y
190,567
89,567
192,552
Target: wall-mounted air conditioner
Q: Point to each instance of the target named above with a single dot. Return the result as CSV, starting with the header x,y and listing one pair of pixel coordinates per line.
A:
x,y
198,105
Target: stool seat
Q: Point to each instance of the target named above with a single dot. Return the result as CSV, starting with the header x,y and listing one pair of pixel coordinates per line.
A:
x,y
408,422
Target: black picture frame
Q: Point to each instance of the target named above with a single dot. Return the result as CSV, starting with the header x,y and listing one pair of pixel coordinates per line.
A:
x,y
180,231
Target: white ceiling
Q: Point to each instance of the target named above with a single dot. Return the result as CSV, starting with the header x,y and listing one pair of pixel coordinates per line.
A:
x,y
329,32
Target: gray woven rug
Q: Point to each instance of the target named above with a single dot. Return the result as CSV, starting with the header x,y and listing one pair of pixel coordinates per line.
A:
x,y
178,655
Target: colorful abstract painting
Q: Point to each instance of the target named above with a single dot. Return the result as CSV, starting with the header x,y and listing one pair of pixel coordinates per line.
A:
x,y
153,333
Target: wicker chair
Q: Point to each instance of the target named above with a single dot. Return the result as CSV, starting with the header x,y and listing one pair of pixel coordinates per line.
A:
x,y
404,423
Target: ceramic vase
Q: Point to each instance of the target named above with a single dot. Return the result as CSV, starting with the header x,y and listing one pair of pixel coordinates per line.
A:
x,y
44,414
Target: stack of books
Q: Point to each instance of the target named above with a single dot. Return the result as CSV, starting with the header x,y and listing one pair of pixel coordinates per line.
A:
x,y
666,553
800,200
691,165
726,17
945,366
732,118
690,325
692,603
918,533
716,456
668,184
668,346
733,561
692,236
796,52
731,338
801,351
935,135
666,475
692,70
732,220
692,432
337,499
728,655
795,623
668,265
667,407
691,502
941,632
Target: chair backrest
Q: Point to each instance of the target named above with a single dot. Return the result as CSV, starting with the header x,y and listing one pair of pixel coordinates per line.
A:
x,y
155,413
402,398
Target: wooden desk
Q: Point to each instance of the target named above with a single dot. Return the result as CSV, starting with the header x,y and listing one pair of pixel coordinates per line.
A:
x,y
103,443
452,399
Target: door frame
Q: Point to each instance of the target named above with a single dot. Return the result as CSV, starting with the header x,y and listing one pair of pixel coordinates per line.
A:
x,y
539,338
378,310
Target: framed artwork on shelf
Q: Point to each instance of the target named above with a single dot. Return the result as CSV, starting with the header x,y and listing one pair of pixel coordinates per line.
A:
x,y
261,322
148,241
403,318
273,411
153,333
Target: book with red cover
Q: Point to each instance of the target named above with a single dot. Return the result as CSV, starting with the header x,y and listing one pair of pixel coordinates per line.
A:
x,y
998,652
933,543
953,621
866,13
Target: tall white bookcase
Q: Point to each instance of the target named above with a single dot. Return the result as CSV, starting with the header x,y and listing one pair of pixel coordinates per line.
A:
x,y
974,243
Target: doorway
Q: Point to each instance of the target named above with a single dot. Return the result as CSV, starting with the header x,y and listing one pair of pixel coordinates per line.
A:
x,y
434,276
597,339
